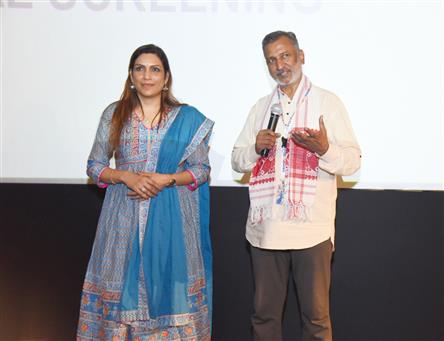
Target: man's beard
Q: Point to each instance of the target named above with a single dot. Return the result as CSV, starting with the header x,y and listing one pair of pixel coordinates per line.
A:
x,y
294,76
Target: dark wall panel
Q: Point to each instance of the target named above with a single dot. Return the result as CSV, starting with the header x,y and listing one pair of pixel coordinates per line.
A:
x,y
388,268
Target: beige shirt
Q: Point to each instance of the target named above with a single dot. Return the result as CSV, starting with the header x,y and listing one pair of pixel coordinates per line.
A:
x,y
342,158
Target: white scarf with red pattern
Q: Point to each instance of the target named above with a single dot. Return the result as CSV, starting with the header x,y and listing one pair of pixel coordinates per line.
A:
x,y
300,169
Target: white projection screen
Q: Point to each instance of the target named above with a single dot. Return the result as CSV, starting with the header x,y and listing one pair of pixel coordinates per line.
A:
x,y
64,61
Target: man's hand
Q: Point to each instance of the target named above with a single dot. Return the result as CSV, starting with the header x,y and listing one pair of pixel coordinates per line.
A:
x,y
314,140
265,139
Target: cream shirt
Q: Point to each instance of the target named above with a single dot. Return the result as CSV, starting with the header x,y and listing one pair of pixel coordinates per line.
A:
x,y
342,158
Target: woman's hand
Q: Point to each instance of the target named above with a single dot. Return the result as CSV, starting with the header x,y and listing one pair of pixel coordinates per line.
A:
x,y
163,180
157,182
142,186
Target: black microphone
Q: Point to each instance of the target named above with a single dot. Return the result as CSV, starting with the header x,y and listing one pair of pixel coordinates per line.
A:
x,y
276,112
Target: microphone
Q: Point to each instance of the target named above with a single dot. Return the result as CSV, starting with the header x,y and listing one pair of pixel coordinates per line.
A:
x,y
276,112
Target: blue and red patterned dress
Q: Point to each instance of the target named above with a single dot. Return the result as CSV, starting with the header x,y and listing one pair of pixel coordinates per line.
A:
x,y
149,276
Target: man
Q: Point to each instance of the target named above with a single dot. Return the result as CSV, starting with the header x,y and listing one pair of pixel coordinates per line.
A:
x,y
293,191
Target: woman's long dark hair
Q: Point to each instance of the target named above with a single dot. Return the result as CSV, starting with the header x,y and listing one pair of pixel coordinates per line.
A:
x,y
129,99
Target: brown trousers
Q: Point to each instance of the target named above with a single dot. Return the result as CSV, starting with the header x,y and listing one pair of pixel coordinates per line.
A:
x,y
310,269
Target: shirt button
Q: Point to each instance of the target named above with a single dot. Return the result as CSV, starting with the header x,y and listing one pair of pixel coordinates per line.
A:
x,y
288,113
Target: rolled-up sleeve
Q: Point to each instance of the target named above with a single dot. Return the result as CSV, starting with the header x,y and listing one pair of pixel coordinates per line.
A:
x,y
101,151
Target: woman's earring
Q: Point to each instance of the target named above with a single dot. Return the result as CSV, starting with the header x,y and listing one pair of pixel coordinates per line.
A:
x,y
165,88
132,87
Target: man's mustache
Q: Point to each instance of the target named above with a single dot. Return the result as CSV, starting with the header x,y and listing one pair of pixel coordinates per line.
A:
x,y
281,71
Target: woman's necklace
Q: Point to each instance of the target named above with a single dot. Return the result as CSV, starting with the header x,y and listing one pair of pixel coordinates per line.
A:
x,y
148,120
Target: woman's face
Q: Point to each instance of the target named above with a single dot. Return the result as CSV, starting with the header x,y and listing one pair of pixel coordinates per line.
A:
x,y
148,76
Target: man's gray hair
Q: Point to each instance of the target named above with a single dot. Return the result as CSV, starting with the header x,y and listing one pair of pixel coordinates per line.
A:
x,y
273,36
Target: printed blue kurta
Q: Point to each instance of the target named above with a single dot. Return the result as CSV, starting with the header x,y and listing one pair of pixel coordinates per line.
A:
x,y
149,276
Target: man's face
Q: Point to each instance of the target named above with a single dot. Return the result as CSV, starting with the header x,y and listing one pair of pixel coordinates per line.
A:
x,y
284,63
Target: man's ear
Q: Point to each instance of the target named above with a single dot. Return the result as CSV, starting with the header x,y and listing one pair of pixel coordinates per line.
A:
x,y
301,56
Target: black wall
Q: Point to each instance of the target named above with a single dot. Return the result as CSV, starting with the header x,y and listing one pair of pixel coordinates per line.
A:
x,y
388,268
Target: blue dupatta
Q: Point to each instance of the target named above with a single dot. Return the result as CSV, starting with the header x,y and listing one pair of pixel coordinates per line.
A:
x,y
163,256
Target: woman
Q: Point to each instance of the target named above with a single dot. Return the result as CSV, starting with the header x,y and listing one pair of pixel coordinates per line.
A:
x,y
149,276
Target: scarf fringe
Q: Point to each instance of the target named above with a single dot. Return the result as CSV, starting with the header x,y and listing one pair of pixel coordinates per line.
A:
x,y
260,213
296,211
